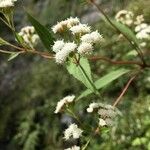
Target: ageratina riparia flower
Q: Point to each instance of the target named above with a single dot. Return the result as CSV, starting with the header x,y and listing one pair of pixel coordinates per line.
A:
x,y
80,29
92,38
7,3
58,45
139,19
73,148
62,55
85,48
143,31
65,24
64,101
125,17
72,132
29,35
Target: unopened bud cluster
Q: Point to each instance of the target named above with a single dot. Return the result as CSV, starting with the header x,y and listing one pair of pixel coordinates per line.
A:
x,y
29,36
83,39
106,113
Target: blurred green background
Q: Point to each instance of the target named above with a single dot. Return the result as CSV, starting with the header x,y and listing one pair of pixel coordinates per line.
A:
x,y
30,86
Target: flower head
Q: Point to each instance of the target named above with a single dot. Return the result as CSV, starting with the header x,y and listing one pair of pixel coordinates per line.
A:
x,y
7,3
80,29
72,131
29,35
64,101
92,38
125,17
85,48
73,148
58,45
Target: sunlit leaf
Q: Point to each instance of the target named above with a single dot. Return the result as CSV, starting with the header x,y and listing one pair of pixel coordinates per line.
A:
x,y
79,74
103,81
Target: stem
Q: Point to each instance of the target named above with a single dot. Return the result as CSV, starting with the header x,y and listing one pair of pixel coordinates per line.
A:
x,y
74,115
91,83
134,45
118,62
86,145
124,90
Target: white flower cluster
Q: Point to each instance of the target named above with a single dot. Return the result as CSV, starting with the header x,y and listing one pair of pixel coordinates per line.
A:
x,y
72,132
29,36
83,39
64,101
125,17
143,31
139,20
7,3
73,148
107,113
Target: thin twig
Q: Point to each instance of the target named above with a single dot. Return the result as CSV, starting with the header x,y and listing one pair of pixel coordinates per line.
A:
x,y
124,90
117,62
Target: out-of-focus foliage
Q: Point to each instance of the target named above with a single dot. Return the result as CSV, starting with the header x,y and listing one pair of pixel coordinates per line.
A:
x,y
28,95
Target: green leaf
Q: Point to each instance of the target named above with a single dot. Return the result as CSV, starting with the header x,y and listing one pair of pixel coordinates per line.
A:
x,y
126,31
78,73
13,55
19,38
42,31
103,81
3,42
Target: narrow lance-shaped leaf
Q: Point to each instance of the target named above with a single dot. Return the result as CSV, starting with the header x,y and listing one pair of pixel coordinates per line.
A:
x,y
13,55
78,73
126,31
43,32
3,42
103,81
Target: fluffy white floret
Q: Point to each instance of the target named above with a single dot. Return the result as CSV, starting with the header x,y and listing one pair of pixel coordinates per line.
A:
x,y
94,37
73,148
29,35
85,48
72,132
58,45
65,24
7,3
62,55
102,122
125,17
80,29
64,101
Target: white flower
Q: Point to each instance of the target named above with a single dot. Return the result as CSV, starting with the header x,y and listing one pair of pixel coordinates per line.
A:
x,y
59,106
57,28
70,98
141,27
125,17
143,31
58,45
7,3
80,29
73,148
85,48
72,131
93,37
62,55
72,22
68,23
64,101
139,19
92,106
102,122
29,36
